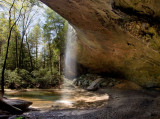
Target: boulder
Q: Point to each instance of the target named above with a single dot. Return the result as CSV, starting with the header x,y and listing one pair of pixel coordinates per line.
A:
x,y
9,108
95,85
21,104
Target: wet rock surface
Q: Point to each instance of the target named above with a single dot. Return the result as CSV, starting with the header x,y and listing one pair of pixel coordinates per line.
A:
x,y
9,107
21,104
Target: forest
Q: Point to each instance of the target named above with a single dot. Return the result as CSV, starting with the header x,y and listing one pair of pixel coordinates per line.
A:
x,y
32,38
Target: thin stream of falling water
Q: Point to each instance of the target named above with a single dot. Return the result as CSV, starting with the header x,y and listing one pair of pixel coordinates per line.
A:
x,y
72,96
70,69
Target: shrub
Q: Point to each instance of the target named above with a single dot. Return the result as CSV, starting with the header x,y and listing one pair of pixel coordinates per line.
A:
x,y
12,79
39,73
45,79
26,78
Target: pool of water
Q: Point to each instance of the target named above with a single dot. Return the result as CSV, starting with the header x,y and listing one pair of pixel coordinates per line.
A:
x,y
70,97
49,95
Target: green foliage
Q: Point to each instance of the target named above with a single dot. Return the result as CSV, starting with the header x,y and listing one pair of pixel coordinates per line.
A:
x,y
55,26
26,78
35,2
45,79
13,80
26,65
40,73
37,79
54,33
21,117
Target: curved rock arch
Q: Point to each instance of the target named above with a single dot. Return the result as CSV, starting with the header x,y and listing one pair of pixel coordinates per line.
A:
x,y
116,37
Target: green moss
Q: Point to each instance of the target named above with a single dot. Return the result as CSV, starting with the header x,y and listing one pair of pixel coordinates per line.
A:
x,y
20,117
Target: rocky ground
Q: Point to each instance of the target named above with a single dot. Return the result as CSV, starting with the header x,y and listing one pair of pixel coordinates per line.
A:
x,y
126,101
123,104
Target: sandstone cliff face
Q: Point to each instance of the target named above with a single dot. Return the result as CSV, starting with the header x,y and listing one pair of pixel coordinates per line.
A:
x,y
116,36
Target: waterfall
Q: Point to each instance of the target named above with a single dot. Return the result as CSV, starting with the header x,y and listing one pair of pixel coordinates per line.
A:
x,y
70,69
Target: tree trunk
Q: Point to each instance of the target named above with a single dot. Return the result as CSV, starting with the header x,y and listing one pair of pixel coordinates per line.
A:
x,y
29,53
36,52
17,66
16,38
21,48
60,64
50,57
4,64
44,66
9,37
0,48
20,54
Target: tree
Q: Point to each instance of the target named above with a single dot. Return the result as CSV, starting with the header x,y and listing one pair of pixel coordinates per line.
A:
x,y
34,39
55,29
11,26
21,39
28,16
4,30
